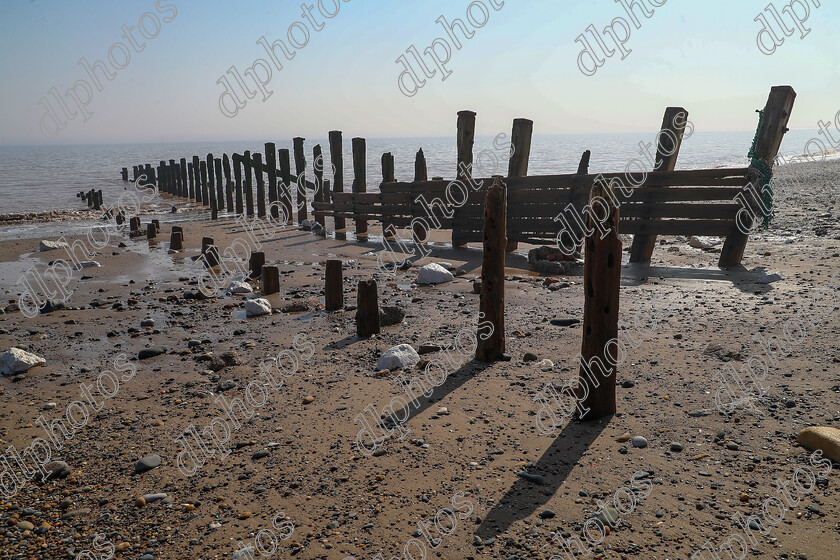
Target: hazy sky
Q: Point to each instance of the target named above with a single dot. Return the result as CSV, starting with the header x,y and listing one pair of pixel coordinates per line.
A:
x,y
523,62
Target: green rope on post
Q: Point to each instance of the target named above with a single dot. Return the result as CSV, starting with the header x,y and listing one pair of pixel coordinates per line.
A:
x,y
766,176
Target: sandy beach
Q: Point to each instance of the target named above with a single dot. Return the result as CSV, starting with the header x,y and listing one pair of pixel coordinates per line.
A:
x,y
293,467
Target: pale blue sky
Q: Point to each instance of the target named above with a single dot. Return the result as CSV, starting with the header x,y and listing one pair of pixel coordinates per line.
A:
x,y
521,63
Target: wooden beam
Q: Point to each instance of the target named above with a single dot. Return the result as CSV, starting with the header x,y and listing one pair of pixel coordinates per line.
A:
x,y
601,283
360,182
465,140
336,157
769,138
285,184
668,143
300,169
520,139
492,298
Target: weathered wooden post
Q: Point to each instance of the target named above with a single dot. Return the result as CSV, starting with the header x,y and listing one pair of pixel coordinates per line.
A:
x,y
360,182
583,166
183,169
125,173
164,177
601,283
334,286
211,178
197,173
119,218
300,169
285,165
492,298
520,139
156,222
209,250
97,200
228,183
337,159
176,240
258,172
249,189
237,173
151,178
271,168
134,223
151,231
769,137
176,243
668,143
465,140
191,177
318,172
420,174
135,172
367,312
220,193
388,229
174,178
180,230
270,279
255,264
205,192
89,198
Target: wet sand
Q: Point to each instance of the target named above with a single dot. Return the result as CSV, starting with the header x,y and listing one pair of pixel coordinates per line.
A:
x,y
344,502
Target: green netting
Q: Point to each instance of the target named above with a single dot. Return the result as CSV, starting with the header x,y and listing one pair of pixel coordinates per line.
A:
x,y
766,191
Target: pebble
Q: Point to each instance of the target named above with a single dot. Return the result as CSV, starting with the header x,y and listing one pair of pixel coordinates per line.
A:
x,y
147,463
623,438
151,352
308,400
547,514
640,442
676,447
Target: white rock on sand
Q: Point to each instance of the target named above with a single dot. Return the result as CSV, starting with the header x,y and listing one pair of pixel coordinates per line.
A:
x,y
257,307
703,242
433,274
86,264
398,357
51,245
16,360
238,287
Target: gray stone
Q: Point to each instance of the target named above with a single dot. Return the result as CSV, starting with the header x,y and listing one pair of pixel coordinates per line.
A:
x,y
15,360
640,442
151,352
398,357
147,463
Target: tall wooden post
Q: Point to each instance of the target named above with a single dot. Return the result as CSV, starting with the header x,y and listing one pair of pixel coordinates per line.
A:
x,y
284,163
191,177
271,168
420,174
258,173
601,282
249,190
334,286
228,183
770,134
300,170
520,139
205,192
220,192
360,182
388,229
237,173
367,310
164,179
151,231
337,159
184,189
134,223
492,298
270,279
211,178
465,139
124,173
175,181
197,173
209,249
318,172
668,143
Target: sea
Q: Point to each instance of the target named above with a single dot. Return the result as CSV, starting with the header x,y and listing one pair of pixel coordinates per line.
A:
x,y
43,178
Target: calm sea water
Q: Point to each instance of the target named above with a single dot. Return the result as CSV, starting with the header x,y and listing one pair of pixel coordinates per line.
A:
x,y
34,179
